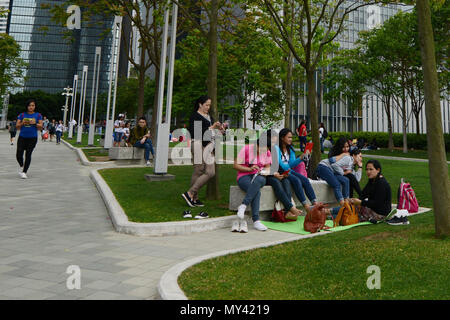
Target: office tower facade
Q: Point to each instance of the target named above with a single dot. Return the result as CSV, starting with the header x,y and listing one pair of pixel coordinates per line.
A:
x,y
4,4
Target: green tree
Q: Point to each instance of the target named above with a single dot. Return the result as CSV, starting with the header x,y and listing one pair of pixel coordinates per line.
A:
x,y
11,65
47,104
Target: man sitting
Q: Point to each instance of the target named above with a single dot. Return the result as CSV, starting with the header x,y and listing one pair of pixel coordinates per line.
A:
x,y
140,138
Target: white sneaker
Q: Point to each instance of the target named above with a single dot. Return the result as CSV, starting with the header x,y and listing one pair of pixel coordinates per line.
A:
x,y
23,175
259,226
148,163
235,227
243,226
241,211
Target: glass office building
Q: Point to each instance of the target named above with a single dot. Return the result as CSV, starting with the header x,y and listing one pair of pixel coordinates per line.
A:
x,y
52,59
4,4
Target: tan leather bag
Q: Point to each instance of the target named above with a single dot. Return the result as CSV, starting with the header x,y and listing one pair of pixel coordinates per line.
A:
x,y
347,216
315,219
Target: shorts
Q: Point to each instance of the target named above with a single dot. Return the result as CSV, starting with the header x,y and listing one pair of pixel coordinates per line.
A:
x,y
118,136
13,134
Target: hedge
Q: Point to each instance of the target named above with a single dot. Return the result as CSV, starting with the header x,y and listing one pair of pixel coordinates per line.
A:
x,y
415,141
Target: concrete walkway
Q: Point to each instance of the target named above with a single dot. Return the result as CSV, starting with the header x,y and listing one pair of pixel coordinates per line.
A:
x,y
56,219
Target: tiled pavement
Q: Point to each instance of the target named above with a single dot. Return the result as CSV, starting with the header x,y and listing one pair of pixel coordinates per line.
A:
x,y
56,219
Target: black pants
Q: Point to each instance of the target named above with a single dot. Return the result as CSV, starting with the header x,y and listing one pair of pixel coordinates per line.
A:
x,y
25,145
354,184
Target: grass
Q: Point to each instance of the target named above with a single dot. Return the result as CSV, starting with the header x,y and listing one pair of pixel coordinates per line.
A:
x,y
418,154
84,140
96,154
413,263
145,201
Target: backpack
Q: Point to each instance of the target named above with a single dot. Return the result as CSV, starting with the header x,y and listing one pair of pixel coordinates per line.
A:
x,y
347,216
315,219
325,133
406,198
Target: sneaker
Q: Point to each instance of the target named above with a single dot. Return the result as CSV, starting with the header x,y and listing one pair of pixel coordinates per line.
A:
x,y
235,227
396,221
202,215
188,199
243,226
23,175
148,163
241,211
198,203
187,214
390,215
259,226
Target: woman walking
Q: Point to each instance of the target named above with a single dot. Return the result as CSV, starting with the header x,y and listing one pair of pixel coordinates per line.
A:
x,y
59,131
28,123
201,127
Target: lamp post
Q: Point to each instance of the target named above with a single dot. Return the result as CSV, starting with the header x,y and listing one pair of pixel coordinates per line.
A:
x,y
94,95
73,105
113,72
82,104
68,93
162,154
5,111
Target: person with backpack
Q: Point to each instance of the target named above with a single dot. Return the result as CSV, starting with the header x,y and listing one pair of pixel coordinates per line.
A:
x,y
12,131
52,129
28,123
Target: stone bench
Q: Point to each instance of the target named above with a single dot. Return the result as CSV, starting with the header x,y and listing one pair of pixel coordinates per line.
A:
x,y
130,154
323,191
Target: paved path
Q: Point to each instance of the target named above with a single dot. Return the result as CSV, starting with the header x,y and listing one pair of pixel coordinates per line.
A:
x,y
56,219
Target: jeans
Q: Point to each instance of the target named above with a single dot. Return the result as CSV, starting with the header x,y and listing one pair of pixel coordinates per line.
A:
x,y
302,142
282,190
253,192
354,184
58,136
322,149
340,184
118,137
148,148
300,182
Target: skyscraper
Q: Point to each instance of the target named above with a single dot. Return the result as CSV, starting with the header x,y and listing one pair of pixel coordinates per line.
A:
x,y
4,4
52,59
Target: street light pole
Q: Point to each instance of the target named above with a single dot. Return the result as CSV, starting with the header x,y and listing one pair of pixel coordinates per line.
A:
x,y
82,104
68,93
114,68
94,96
73,105
5,111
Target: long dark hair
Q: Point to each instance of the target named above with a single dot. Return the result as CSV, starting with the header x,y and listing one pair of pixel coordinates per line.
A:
x,y
376,164
337,148
28,103
284,132
268,144
199,101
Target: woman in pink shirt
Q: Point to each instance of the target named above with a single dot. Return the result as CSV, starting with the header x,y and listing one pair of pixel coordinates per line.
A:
x,y
252,163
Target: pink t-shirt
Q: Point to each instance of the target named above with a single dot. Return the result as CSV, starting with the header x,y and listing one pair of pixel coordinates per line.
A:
x,y
247,154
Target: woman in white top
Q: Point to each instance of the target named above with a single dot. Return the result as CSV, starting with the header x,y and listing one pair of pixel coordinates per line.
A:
x,y
126,133
59,131
118,131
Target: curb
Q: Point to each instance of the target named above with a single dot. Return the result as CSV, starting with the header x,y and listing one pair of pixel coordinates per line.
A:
x,y
158,229
83,159
168,288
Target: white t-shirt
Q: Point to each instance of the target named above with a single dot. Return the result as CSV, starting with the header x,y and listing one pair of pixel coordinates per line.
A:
x,y
126,131
117,126
59,127
320,132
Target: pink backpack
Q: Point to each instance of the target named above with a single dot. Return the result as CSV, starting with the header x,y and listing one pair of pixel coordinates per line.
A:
x,y
300,168
407,198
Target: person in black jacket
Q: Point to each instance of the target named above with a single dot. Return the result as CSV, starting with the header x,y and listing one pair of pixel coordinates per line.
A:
x,y
201,128
375,202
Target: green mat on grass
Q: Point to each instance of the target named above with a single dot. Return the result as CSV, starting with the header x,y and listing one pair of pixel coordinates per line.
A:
x,y
297,226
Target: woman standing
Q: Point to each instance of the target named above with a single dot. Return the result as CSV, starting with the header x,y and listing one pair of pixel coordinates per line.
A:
x,y
28,123
201,127
302,133
59,131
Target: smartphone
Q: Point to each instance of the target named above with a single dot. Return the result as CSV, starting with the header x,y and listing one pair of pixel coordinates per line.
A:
x,y
286,172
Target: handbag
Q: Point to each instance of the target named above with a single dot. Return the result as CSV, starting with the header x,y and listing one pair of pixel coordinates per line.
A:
x,y
278,214
347,216
315,219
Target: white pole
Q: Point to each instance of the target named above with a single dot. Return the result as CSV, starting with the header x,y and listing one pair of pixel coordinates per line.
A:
x,y
94,96
82,104
117,30
73,105
5,111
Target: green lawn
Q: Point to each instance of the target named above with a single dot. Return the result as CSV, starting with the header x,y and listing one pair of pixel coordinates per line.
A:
x,y
413,263
84,140
418,154
92,154
145,201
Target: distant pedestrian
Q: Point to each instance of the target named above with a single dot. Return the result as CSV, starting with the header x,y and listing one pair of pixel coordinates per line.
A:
x,y
302,133
118,130
28,123
52,129
12,131
59,131
323,134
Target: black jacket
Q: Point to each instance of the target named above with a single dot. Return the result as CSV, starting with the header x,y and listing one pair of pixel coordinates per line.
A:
x,y
377,196
205,124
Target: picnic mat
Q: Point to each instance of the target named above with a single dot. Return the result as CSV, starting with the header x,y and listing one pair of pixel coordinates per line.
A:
x,y
297,226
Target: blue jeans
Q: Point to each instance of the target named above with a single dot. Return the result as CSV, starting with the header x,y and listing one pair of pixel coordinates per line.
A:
x,y
253,192
148,148
282,190
58,136
303,142
118,136
340,184
300,182
322,149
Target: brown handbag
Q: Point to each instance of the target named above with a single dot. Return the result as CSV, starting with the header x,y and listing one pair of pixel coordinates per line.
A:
x,y
315,219
347,216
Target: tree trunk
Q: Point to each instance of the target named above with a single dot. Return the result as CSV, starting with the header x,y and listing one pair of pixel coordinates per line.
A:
x,y
314,118
155,108
389,121
290,67
417,115
405,125
212,190
141,92
439,181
